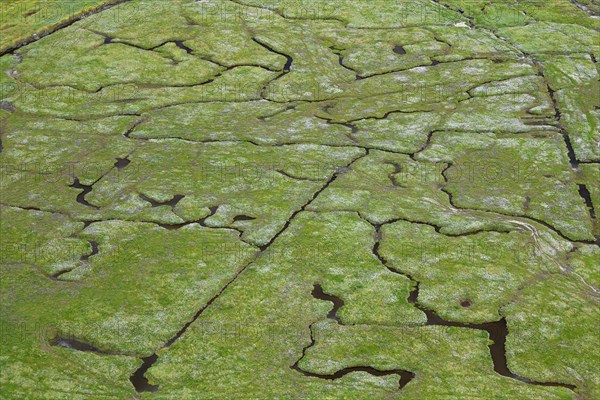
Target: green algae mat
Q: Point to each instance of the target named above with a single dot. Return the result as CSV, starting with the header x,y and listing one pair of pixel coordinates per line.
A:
x,y
285,199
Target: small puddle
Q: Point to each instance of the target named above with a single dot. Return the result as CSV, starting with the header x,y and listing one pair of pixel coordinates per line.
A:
x,y
122,163
526,203
399,50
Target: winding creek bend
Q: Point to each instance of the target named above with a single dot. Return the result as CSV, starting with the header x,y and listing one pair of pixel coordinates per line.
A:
x,y
497,330
289,60
318,293
85,190
188,78
405,376
497,333
138,378
84,259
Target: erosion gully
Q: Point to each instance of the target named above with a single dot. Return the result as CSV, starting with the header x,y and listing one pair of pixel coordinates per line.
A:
x,y
138,379
84,259
404,376
497,330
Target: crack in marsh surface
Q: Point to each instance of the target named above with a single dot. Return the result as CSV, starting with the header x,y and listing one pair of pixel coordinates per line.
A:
x,y
138,379
152,143
497,330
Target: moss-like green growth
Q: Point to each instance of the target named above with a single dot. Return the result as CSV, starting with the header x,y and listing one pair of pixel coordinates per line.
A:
x,y
520,176
566,321
24,20
439,357
258,328
464,278
282,199
383,187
